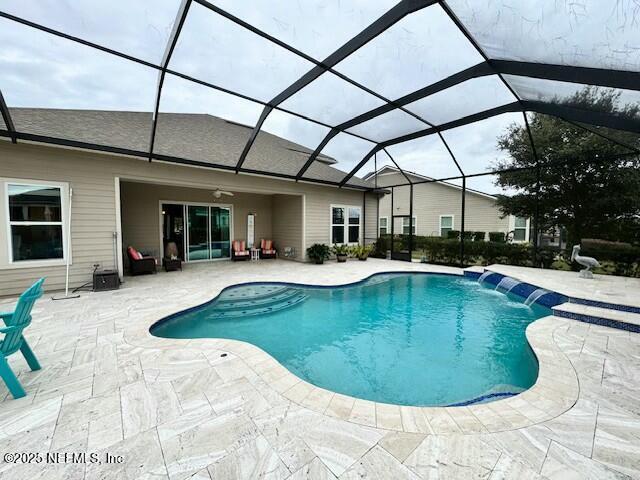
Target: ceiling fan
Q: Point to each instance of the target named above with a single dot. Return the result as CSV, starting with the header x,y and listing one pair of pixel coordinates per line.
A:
x,y
217,193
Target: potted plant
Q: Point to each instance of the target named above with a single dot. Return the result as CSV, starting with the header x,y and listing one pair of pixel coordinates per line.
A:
x,y
318,252
361,252
341,252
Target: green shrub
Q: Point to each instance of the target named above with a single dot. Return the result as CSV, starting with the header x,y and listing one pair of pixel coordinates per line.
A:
x,y
318,252
453,234
361,252
479,236
380,247
339,249
624,257
497,237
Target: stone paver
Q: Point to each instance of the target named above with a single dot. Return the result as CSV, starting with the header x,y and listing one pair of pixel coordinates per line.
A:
x,y
212,408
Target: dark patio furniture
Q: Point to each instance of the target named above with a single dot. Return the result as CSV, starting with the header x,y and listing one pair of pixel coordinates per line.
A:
x,y
139,264
172,264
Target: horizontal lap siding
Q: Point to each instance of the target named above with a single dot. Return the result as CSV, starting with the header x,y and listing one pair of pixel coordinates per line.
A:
x,y
318,202
91,175
370,218
93,213
434,199
287,224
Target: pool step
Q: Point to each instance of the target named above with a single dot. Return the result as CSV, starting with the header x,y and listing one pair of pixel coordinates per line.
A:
x,y
244,308
254,292
599,316
263,301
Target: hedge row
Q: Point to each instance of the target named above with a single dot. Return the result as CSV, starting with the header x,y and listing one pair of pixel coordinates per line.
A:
x,y
619,259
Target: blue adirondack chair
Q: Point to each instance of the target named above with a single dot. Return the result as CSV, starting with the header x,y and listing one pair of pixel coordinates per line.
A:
x,y
13,340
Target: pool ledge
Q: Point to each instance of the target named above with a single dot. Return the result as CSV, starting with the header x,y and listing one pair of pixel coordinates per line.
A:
x,y
555,391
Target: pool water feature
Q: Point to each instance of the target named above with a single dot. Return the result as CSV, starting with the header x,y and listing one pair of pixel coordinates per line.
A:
x,y
407,339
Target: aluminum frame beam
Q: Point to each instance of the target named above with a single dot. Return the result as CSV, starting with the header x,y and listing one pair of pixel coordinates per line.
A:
x,y
392,16
563,73
589,117
181,16
510,107
8,121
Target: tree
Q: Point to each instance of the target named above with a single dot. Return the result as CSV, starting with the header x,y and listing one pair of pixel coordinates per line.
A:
x,y
589,185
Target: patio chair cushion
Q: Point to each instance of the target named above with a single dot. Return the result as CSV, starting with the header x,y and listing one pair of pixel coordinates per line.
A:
x,y
269,252
239,247
242,253
134,254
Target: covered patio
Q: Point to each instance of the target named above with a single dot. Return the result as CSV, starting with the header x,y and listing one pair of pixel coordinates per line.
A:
x,y
203,223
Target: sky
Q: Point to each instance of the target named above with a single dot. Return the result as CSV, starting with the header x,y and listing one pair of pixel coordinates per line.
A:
x,y
41,70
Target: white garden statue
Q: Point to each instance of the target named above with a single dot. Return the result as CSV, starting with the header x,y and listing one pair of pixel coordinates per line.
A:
x,y
587,262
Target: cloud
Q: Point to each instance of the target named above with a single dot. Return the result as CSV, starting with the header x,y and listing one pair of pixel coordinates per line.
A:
x,y
40,70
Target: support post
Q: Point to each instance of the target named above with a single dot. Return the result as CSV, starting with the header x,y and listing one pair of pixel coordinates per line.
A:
x,y
392,223
464,191
536,217
411,222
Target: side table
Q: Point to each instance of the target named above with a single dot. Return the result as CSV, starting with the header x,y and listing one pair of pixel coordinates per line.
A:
x,y
171,265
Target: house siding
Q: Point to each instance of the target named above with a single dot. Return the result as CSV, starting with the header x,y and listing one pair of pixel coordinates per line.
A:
x,y
287,224
430,200
92,176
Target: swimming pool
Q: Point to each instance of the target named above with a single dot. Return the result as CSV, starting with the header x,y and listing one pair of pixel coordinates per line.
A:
x,y
407,339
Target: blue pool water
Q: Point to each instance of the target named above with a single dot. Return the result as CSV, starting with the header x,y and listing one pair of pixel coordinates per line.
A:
x,y
408,339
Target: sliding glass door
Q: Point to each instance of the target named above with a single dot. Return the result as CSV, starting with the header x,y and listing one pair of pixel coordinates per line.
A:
x,y
198,230
220,238
208,232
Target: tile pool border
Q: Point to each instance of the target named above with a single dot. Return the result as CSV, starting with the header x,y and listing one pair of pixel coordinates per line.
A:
x,y
554,392
551,299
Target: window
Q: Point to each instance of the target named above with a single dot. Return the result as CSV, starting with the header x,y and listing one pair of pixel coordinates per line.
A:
x,y
405,226
345,224
520,229
383,226
446,224
35,216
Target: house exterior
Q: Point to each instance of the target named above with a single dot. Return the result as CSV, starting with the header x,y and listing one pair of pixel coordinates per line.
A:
x,y
119,199
437,208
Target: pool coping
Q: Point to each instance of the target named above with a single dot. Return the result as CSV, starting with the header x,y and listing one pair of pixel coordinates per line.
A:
x,y
554,392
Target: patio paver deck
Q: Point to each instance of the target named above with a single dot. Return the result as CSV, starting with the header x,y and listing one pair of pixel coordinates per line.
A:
x,y
179,409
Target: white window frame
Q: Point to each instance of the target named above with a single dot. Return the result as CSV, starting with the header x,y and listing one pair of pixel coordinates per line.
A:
x,y
346,224
414,225
453,222
513,228
386,227
66,242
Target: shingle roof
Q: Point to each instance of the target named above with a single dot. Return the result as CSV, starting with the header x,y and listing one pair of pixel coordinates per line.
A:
x,y
197,137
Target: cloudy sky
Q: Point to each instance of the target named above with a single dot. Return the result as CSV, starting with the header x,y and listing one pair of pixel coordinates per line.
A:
x,y
40,70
